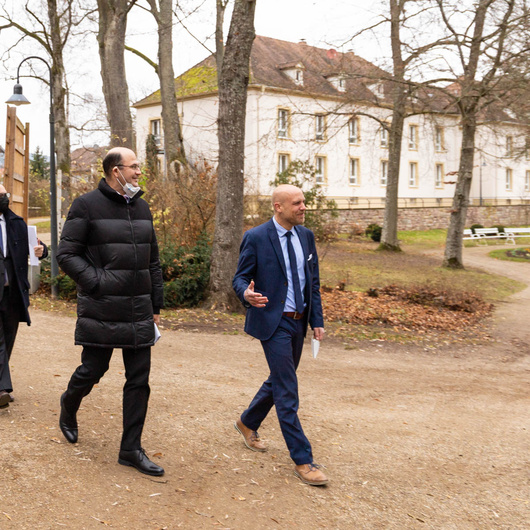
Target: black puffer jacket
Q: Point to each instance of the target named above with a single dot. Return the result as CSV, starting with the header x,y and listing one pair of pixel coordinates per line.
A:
x,y
109,248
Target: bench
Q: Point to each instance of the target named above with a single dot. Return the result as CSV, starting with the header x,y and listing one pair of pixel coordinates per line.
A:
x,y
481,235
518,232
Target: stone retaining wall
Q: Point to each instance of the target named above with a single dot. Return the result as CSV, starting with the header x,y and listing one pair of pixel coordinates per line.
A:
x,y
430,218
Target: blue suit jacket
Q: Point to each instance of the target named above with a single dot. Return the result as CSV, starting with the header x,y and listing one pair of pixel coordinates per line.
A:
x,y
261,260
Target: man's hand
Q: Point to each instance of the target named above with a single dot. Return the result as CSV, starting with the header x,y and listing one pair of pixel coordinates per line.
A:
x,y
318,333
39,250
253,298
156,318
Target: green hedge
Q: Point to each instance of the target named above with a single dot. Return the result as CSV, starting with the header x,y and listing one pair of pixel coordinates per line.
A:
x,y
186,273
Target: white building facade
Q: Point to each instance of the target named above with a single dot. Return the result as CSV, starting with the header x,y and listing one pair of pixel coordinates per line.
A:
x,y
297,111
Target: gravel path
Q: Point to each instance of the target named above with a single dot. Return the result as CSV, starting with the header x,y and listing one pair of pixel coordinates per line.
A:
x,y
411,437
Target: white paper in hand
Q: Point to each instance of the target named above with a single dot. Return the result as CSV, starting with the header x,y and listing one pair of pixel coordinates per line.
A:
x,y
157,334
315,346
32,243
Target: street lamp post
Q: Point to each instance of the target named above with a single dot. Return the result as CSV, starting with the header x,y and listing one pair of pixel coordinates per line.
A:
x,y
19,99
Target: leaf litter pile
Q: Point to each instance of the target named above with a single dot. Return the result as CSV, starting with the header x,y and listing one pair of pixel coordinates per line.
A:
x,y
419,308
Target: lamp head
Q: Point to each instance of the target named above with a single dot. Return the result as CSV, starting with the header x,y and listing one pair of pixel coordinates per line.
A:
x,y
18,98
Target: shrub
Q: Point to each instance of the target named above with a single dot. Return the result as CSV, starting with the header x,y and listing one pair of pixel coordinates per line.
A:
x,y
475,226
67,287
374,231
186,272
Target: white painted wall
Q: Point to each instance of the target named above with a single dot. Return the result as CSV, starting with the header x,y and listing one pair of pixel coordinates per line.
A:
x,y
263,145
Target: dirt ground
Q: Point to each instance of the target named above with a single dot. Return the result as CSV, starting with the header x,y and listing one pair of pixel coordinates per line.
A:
x,y
411,437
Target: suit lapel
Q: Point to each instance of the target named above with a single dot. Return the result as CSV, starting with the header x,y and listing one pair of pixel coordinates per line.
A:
x,y
275,240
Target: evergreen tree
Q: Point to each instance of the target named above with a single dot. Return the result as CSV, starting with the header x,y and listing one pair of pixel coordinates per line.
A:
x,y
39,166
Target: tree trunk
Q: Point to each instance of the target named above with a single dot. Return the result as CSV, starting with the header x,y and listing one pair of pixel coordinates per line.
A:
x,y
111,39
455,232
62,131
389,238
219,38
233,84
173,146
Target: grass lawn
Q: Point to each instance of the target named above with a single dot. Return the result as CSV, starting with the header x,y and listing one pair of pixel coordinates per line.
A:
x,y
359,266
519,254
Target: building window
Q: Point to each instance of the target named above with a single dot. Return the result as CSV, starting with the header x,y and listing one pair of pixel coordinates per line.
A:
x,y
283,123
439,176
527,181
320,127
413,137
298,77
527,149
384,137
413,174
354,131
384,173
508,183
354,171
320,169
155,128
342,84
439,138
509,146
283,162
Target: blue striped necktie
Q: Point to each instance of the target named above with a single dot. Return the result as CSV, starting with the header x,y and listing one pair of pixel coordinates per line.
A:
x,y
299,301
3,250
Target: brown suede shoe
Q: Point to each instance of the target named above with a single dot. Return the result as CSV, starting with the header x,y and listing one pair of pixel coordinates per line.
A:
x,y
311,474
251,438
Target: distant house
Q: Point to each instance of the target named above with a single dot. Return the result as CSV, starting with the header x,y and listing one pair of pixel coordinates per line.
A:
x,y
85,163
314,104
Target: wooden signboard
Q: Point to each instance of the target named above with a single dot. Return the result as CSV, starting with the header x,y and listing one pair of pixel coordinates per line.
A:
x,y
16,173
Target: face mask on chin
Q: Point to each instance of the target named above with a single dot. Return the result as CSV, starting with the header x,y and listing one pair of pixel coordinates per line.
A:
x,y
4,204
128,188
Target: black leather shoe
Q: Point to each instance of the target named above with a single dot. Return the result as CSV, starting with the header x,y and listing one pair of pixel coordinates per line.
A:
x,y
68,424
4,399
140,461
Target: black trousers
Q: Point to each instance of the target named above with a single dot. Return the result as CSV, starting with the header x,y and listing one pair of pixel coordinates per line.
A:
x,y
94,363
11,308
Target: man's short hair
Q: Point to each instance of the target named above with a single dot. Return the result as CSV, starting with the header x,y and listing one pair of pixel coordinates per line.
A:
x,y
112,159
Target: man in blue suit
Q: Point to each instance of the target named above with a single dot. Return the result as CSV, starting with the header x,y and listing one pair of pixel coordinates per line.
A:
x,y
277,279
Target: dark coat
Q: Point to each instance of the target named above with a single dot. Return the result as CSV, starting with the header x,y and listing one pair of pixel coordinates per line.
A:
x,y
261,260
18,250
109,248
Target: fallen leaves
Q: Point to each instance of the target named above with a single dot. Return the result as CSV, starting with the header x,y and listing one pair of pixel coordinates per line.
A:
x,y
418,308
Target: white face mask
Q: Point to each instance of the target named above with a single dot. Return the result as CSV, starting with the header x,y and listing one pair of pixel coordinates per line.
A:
x,y
128,188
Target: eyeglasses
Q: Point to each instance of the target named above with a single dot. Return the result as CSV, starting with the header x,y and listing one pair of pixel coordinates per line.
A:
x,y
134,167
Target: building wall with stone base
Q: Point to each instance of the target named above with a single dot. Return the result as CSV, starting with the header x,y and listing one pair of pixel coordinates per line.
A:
x,y
431,218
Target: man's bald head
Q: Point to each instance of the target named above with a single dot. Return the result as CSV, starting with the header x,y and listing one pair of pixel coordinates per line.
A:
x,y
283,192
115,157
289,206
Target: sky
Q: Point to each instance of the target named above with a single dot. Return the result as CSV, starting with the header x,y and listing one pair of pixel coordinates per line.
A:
x,y
323,23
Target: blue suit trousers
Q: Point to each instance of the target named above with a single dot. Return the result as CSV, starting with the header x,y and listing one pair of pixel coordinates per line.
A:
x,y
282,351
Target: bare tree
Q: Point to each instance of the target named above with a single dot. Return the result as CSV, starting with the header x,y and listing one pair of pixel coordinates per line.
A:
x,y
484,47
173,147
221,6
111,39
233,83
53,35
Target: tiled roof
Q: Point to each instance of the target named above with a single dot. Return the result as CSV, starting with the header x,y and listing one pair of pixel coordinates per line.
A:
x,y
270,58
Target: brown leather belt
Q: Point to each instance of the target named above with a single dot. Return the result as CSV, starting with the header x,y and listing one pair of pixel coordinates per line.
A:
x,y
294,314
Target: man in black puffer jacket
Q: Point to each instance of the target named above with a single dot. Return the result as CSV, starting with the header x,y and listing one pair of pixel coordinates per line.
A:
x,y
108,247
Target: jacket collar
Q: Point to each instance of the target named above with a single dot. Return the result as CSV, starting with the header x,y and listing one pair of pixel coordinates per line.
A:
x,y
113,195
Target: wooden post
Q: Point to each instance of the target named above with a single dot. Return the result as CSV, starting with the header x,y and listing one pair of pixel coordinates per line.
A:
x,y
16,176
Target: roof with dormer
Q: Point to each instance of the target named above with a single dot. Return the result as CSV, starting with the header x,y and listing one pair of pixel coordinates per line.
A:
x,y
269,60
